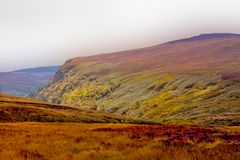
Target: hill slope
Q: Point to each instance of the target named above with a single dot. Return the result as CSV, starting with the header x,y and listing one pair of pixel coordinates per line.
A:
x,y
26,81
195,79
15,109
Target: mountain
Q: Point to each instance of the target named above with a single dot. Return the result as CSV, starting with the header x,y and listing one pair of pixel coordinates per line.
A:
x,y
49,69
16,109
195,79
25,81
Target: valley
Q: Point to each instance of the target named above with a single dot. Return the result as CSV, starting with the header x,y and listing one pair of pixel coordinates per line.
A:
x,y
178,100
119,80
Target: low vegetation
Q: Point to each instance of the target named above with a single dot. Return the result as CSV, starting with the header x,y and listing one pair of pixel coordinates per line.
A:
x,y
190,86
65,141
42,131
156,96
14,109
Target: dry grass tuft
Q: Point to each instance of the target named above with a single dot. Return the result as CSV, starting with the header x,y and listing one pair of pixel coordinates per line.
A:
x,y
65,141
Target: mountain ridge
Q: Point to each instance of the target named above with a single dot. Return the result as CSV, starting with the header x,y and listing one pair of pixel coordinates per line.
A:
x,y
204,37
182,81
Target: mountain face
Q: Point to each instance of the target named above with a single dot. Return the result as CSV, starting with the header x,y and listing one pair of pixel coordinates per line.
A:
x,y
23,82
195,79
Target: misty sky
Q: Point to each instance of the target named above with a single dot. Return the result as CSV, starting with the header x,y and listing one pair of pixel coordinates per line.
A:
x,y
48,32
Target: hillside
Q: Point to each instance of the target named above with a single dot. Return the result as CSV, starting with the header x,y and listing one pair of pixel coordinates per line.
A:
x,y
15,109
194,79
25,81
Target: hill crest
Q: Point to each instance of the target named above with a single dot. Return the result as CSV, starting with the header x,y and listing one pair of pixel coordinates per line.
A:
x,y
205,37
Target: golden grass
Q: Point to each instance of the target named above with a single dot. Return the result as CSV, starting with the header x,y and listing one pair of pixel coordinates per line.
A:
x,y
63,141
16,109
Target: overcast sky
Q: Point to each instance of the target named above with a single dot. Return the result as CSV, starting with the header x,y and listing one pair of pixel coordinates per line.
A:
x,y
48,32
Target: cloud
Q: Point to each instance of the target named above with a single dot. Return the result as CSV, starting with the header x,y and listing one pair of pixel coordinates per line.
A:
x,y
48,32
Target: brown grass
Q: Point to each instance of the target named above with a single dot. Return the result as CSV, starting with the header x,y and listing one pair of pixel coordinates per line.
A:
x,y
16,109
63,141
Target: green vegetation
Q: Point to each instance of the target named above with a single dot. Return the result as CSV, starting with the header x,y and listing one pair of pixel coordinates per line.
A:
x,y
158,97
195,83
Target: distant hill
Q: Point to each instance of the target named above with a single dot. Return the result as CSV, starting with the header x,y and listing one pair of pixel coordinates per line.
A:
x,y
25,81
16,109
194,79
50,69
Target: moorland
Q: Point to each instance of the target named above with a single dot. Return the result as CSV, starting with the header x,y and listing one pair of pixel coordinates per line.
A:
x,y
174,101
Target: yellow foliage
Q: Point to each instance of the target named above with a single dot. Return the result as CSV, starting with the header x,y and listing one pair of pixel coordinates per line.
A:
x,y
164,79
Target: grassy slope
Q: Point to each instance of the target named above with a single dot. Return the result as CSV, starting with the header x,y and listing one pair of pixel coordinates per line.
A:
x,y
180,82
14,109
